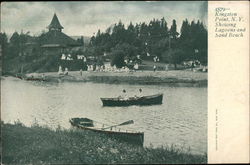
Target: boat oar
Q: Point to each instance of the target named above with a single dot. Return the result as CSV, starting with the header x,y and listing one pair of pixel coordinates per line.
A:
x,y
124,123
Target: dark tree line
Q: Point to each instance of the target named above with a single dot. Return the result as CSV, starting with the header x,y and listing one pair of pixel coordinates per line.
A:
x,y
118,42
14,51
152,39
16,45
25,49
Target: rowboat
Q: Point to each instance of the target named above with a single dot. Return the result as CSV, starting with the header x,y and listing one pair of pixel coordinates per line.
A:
x,y
34,79
31,78
110,131
144,100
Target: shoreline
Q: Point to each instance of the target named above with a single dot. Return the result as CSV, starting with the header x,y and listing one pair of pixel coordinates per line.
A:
x,y
170,78
42,145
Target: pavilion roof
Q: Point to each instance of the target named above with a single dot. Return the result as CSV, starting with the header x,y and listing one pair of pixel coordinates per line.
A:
x,y
55,24
57,38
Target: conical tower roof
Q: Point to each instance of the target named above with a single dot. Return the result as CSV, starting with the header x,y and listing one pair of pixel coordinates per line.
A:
x,y
55,24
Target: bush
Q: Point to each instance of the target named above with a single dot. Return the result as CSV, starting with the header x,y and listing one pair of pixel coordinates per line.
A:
x,y
118,58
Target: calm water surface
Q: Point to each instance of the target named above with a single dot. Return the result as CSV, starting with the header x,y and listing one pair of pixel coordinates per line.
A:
x,y
181,120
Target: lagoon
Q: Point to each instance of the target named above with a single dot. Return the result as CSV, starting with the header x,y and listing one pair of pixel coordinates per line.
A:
x,y
181,120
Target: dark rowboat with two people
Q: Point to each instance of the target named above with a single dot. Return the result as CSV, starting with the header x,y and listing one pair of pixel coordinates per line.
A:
x,y
144,100
111,131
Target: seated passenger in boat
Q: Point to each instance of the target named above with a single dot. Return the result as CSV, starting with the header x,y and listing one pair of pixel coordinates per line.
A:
x,y
140,93
124,95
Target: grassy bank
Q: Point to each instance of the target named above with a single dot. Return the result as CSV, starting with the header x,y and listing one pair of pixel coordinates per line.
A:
x,y
174,77
40,145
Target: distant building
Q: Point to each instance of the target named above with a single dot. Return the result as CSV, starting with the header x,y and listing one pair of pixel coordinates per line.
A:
x,y
55,42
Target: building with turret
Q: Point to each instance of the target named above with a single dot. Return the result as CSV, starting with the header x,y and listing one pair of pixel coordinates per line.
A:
x,y
55,42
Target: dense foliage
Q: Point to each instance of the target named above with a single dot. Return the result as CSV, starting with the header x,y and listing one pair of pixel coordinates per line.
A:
x,y
153,39
117,43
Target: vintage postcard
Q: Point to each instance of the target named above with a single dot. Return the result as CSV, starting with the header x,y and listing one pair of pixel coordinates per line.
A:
x,y
124,82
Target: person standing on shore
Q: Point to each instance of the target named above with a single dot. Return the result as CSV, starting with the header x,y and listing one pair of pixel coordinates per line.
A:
x,y
166,67
136,67
43,76
154,68
192,66
81,72
66,72
60,70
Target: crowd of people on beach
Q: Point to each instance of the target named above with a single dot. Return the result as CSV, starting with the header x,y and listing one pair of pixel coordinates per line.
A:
x,y
193,66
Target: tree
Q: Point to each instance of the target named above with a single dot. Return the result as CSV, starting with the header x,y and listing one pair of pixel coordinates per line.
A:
x,y
154,38
118,58
14,48
201,43
131,34
119,33
173,29
164,28
80,40
14,39
22,40
3,43
92,41
175,56
185,31
119,53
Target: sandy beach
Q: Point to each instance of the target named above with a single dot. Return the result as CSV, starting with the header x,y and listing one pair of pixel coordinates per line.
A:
x,y
173,77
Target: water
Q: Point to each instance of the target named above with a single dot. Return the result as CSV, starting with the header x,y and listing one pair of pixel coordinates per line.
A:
x,y
181,120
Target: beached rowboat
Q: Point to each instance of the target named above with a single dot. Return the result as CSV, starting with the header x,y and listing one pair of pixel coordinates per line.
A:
x,y
34,79
111,131
31,78
144,100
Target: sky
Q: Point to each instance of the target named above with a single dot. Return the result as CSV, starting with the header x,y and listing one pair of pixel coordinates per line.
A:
x,y
85,18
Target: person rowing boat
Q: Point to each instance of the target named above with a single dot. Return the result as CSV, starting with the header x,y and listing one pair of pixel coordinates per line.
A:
x,y
140,93
124,95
